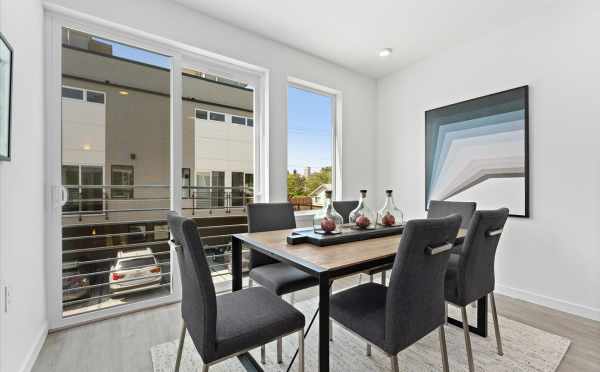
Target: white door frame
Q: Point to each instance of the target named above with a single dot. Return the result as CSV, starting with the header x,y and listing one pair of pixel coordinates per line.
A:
x,y
57,17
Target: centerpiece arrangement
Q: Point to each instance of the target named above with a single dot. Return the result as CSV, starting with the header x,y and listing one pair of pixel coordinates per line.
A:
x,y
328,220
363,217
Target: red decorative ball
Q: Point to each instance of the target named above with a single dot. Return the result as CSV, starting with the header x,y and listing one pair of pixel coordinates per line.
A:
x,y
328,224
363,222
388,219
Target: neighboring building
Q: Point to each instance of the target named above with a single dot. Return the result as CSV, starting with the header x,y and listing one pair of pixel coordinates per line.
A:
x,y
116,115
318,194
307,172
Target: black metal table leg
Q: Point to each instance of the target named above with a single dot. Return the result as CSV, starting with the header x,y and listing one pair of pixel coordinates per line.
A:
x,y
236,264
482,319
323,323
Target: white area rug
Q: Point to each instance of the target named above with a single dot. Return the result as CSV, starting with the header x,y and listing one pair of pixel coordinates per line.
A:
x,y
525,349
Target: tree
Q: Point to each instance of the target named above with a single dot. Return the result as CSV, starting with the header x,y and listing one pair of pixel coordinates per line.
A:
x,y
295,184
317,179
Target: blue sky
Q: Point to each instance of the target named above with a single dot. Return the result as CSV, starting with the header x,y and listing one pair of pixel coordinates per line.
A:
x,y
309,115
309,129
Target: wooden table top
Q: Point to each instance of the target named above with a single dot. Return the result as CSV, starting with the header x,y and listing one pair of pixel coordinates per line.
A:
x,y
326,258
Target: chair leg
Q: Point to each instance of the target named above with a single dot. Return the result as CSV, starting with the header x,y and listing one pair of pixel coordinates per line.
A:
x,y
180,347
444,349
263,354
383,277
395,366
250,283
446,319
368,349
496,325
301,350
292,298
205,368
280,350
371,278
465,321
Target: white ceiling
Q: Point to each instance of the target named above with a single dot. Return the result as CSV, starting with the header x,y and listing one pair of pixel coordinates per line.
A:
x,y
350,32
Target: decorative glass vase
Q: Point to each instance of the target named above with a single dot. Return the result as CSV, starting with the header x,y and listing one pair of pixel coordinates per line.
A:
x,y
328,220
390,214
363,217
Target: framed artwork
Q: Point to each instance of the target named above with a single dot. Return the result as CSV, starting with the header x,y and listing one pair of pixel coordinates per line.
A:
x,y
478,150
6,61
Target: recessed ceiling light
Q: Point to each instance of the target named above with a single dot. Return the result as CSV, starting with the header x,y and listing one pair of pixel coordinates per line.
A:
x,y
87,147
385,52
123,92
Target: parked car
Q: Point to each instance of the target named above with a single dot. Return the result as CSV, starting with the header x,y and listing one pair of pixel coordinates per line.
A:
x,y
73,287
134,271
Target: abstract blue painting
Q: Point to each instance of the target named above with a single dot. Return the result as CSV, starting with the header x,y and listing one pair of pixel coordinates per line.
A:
x,y
477,150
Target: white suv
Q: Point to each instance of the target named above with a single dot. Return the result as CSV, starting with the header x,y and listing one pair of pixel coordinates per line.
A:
x,y
135,270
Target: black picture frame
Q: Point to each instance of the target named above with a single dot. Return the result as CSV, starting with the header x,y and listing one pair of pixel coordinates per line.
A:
x,y
5,153
525,92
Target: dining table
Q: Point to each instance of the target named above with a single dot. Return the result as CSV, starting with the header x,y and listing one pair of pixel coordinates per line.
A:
x,y
328,263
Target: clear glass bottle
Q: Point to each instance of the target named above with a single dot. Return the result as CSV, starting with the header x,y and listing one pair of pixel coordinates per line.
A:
x,y
328,220
363,217
390,214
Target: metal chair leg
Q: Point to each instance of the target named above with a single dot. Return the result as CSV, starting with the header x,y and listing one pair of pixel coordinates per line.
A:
x,y
280,350
301,351
395,366
496,325
371,278
250,283
204,368
383,277
444,349
368,349
180,347
465,321
263,354
446,319
292,298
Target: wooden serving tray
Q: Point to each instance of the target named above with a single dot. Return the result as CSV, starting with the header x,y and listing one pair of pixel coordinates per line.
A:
x,y
349,234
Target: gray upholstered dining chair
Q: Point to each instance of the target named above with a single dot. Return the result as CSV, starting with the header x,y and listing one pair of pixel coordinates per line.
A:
x,y
442,208
344,207
278,277
470,274
224,326
393,318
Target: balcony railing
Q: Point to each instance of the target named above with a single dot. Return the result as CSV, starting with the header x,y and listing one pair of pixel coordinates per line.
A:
x,y
93,239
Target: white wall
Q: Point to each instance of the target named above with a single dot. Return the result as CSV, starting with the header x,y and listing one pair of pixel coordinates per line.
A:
x,y
553,257
23,329
184,25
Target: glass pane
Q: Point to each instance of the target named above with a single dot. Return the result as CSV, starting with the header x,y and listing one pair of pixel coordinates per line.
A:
x,y
201,114
250,122
70,180
95,97
218,190
116,149
238,120
217,117
310,142
72,93
186,182
237,189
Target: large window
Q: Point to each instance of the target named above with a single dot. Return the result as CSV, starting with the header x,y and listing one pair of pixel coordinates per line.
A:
x,y
79,182
310,146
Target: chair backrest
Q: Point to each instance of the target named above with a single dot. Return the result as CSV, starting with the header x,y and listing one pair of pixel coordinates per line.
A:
x,y
477,255
442,208
268,217
415,298
344,207
199,301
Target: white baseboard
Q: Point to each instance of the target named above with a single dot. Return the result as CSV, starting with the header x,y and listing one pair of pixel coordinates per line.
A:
x,y
34,352
554,303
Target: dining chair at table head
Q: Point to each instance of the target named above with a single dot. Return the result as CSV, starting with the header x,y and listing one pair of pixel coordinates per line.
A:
x,y
443,208
344,207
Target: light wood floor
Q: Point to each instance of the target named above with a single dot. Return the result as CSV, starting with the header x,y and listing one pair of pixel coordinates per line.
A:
x,y
123,343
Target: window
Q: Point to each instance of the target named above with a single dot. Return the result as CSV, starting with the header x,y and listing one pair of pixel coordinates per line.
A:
x,y
201,114
217,189
73,93
237,189
216,116
186,182
79,181
121,175
310,145
250,122
95,97
249,190
238,120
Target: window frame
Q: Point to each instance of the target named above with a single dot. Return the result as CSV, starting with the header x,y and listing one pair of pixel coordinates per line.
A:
x,y
112,182
336,131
